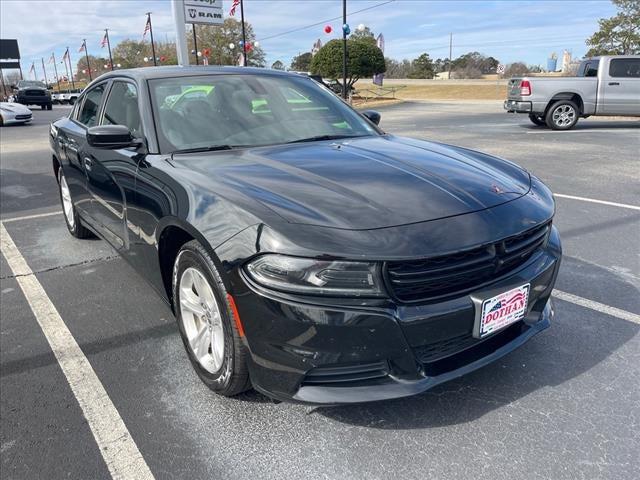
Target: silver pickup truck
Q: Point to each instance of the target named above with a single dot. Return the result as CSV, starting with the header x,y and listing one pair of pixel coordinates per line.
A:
x,y
607,85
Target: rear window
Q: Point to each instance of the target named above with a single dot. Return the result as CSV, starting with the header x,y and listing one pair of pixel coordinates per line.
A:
x,y
589,69
625,68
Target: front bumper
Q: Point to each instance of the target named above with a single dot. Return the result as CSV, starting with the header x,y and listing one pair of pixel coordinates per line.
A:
x,y
28,100
338,354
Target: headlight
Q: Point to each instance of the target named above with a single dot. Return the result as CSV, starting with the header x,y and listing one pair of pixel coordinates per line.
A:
x,y
316,277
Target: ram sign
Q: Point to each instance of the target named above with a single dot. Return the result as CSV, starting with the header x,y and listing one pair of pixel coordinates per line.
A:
x,y
208,12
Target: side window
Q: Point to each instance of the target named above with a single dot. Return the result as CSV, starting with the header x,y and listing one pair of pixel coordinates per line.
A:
x,y
625,67
89,113
122,107
591,69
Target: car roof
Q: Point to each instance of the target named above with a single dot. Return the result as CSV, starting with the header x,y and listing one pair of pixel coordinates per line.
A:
x,y
151,73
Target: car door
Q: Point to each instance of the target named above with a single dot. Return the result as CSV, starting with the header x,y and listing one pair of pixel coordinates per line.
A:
x,y
110,173
621,89
72,140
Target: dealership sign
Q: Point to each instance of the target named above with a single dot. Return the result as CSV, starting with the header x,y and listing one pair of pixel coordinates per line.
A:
x,y
208,12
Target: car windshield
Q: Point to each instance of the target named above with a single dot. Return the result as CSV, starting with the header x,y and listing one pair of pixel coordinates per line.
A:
x,y
30,83
227,111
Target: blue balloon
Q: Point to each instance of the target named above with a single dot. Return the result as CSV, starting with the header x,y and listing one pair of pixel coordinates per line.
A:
x,y
346,29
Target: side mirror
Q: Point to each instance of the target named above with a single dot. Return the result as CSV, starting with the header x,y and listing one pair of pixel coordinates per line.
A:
x,y
372,115
111,137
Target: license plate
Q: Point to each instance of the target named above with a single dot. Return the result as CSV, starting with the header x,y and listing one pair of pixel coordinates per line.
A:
x,y
502,310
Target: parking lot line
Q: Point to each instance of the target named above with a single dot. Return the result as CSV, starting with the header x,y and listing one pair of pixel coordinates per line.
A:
x,y
29,217
601,202
116,445
597,306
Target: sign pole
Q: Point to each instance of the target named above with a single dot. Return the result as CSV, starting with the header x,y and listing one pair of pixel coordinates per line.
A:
x,y
181,35
244,38
195,43
153,47
106,32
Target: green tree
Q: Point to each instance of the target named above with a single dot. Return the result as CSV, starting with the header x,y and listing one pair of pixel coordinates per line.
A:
x,y
217,38
365,59
97,67
277,65
620,34
302,62
366,33
422,67
130,53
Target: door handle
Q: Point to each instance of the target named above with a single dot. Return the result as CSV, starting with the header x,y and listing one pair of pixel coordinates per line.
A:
x,y
614,83
87,163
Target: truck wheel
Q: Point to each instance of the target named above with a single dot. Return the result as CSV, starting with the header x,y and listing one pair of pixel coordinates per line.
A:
x,y
50,107
72,101
43,107
537,119
562,115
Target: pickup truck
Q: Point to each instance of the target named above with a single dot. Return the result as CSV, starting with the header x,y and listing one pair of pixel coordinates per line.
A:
x,y
607,85
69,97
31,92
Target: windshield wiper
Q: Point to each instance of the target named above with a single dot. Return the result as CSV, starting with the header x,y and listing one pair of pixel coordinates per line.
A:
x,y
318,138
211,148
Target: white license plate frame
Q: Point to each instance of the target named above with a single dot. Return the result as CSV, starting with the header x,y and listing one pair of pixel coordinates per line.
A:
x,y
499,311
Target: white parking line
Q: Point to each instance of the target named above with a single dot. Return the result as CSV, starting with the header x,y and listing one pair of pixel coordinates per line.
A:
x,y
118,449
601,202
29,217
597,306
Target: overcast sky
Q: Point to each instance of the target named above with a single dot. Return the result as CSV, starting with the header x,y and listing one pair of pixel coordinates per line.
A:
x,y
508,30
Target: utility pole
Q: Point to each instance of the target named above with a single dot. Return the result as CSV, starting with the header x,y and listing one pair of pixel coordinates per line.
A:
x,y
344,50
177,7
450,52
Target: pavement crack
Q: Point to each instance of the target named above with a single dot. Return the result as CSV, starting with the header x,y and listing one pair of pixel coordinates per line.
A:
x,y
62,267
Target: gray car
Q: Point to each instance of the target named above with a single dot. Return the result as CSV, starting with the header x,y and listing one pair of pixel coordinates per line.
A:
x,y
607,85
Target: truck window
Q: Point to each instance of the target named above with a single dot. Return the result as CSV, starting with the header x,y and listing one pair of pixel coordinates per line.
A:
x,y
591,68
624,67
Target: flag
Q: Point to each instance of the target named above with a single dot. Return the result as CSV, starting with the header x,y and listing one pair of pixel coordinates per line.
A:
x,y
52,59
81,49
104,41
232,12
147,27
65,57
33,68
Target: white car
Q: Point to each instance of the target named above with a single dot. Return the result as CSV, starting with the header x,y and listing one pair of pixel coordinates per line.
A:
x,y
11,113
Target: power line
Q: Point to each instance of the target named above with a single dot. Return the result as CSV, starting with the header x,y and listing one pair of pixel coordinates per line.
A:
x,y
323,21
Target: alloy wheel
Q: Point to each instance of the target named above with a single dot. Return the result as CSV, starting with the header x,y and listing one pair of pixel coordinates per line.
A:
x,y
564,115
67,206
201,319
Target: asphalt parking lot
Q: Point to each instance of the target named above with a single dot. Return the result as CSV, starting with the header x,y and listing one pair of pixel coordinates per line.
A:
x,y
564,406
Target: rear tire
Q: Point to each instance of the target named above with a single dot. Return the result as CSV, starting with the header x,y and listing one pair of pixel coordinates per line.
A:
x,y
206,322
562,115
50,107
43,107
71,217
537,119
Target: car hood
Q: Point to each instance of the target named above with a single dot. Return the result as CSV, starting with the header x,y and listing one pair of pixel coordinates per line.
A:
x,y
363,183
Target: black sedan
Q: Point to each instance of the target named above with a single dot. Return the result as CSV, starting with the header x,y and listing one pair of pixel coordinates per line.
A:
x,y
305,252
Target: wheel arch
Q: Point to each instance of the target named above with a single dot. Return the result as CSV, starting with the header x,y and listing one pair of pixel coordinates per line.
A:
x,y
572,96
56,166
172,234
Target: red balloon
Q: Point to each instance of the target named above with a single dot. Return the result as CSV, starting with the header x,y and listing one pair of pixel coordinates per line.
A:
x,y
328,29
248,47
163,58
206,52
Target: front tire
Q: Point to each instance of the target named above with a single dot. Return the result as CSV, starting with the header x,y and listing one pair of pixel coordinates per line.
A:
x,y
50,106
71,217
537,119
207,326
563,115
43,107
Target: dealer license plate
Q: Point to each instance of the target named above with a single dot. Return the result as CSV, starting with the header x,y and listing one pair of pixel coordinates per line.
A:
x,y
502,310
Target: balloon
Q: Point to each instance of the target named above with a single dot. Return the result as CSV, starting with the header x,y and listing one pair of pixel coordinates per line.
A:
x,y
206,52
256,44
241,43
146,59
232,46
248,47
328,29
199,54
346,29
361,27
163,58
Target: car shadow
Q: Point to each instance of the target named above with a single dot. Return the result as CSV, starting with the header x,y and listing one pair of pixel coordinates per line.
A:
x,y
577,341
589,125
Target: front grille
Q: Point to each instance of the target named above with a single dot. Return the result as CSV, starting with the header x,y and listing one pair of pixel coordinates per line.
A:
x,y
438,277
444,348
34,93
23,117
345,374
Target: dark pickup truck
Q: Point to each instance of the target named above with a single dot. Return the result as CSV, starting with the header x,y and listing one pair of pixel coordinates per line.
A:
x,y
31,92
